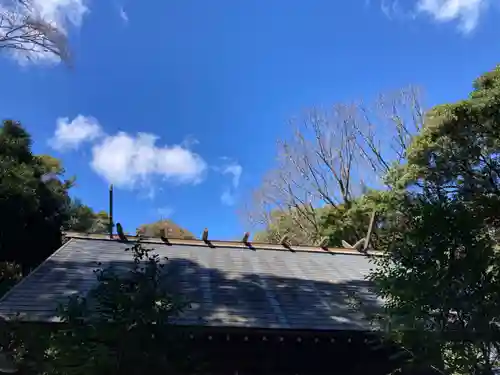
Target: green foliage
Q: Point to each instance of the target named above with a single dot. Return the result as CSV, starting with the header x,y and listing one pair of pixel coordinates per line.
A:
x,y
83,219
122,327
441,278
51,164
458,147
351,223
33,200
457,153
348,223
171,229
298,227
441,285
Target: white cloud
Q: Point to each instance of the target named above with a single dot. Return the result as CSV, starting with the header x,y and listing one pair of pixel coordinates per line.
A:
x,y
131,161
69,135
466,12
60,14
127,161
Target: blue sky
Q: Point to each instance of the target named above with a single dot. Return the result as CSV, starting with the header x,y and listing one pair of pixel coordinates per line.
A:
x,y
180,103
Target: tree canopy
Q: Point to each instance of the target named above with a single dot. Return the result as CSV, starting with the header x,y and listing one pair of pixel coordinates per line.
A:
x,y
441,280
84,219
35,202
171,230
33,207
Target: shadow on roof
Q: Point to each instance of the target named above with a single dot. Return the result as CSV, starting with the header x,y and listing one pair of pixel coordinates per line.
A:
x,y
218,298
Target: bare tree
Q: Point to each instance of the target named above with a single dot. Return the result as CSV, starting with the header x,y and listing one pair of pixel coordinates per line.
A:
x,y
392,120
332,156
24,33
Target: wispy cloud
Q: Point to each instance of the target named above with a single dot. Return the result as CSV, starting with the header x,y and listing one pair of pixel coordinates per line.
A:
x,y
123,15
235,170
393,10
70,135
228,198
466,12
387,9
232,168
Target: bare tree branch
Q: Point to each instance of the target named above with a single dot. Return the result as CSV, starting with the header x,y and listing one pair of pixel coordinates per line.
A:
x,y
26,34
392,120
330,157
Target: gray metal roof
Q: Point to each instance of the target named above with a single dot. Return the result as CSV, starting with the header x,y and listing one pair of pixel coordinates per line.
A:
x,y
228,286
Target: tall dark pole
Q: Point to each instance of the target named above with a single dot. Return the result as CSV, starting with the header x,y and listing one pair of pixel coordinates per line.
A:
x,y
111,211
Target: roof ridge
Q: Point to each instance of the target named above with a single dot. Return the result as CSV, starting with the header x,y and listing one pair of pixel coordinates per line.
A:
x,y
224,243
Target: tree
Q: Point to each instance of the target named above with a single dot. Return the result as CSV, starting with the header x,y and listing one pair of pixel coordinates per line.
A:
x,y
171,230
457,152
33,207
281,223
332,158
25,33
441,276
440,280
83,219
351,224
53,165
101,223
